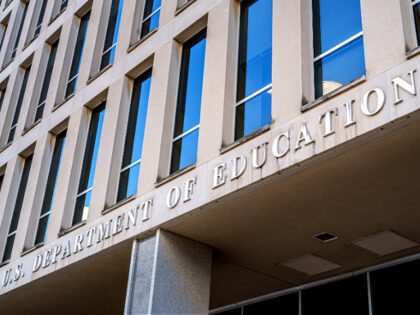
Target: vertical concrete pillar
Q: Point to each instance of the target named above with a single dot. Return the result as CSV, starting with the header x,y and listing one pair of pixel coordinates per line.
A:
x,y
169,274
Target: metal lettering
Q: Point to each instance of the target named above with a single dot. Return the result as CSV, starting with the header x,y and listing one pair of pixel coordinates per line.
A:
x,y
37,263
56,251
328,121
189,189
380,102
6,277
66,251
118,226
78,244
303,135
398,82
89,235
255,161
349,113
238,166
276,145
219,177
104,230
173,197
47,259
131,217
145,207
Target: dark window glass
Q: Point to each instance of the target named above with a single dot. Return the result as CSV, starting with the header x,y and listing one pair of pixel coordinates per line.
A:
x,y
19,105
17,208
50,188
235,311
416,12
287,304
150,19
338,44
1,180
40,17
112,33
2,93
253,107
46,83
393,289
63,5
3,34
89,165
25,9
184,150
77,55
344,297
134,137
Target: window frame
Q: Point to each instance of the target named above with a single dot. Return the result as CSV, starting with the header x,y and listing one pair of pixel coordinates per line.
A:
x,y
89,144
416,31
181,93
144,19
69,80
267,87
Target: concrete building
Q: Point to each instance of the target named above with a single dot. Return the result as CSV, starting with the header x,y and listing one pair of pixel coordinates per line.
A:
x,y
224,156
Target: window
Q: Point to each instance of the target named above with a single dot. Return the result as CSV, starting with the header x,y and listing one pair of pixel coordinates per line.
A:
x,y
3,29
253,96
345,297
19,32
77,55
2,93
187,120
338,44
150,19
19,105
392,289
63,4
46,209
416,13
40,17
46,82
89,165
130,165
111,36
182,3
1,180
17,208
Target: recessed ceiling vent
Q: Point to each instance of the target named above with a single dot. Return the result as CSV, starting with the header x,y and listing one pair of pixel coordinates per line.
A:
x,y
310,265
384,243
325,237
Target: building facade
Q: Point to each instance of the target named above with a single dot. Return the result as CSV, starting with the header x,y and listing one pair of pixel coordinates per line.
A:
x,y
224,157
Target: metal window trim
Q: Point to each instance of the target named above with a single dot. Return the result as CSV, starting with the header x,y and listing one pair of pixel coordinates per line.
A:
x,y
151,14
68,82
246,99
337,47
11,234
186,133
415,2
414,20
44,215
130,166
84,192
41,104
109,49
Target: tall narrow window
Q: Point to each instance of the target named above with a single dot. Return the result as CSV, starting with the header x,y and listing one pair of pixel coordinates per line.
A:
x,y
134,137
63,4
19,32
111,36
3,29
151,15
46,209
89,165
253,99
19,105
338,44
40,17
77,55
1,180
416,13
187,120
17,209
46,83
2,93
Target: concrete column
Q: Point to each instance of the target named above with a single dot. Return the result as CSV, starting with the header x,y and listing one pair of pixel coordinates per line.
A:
x,y
169,274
